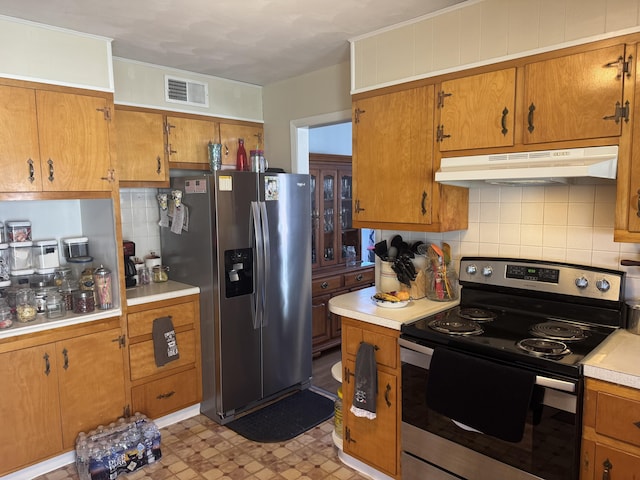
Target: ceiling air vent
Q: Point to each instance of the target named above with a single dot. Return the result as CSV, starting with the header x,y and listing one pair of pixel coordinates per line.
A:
x,y
188,92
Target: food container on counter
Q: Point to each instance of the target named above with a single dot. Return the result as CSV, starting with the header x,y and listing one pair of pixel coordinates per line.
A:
x,y
5,267
55,306
79,265
160,273
3,236
67,290
60,275
6,316
45,256
21,258
152,260
633,316
83,301
19,231
102,287
75,247
25,305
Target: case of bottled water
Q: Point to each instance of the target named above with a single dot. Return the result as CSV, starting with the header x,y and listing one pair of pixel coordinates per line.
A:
x,y
121,447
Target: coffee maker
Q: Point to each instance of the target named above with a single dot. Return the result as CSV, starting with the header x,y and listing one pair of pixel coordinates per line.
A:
x,y
130,271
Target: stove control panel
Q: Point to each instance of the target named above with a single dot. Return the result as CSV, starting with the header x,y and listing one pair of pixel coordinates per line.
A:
x,y
551,277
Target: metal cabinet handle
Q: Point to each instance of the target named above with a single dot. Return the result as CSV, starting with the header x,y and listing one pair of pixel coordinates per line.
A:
x,y
505,112
159,169
532,108
638,212
606,472
324,285
162,396
358,209
47,365
31,171
359,277
347,375
387,393
424,199
65,355
50,163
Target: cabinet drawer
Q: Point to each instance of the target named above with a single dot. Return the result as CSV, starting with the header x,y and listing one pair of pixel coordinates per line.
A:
x,y
141,323
166,395
616,417
326,284
142,360
386,345
359,278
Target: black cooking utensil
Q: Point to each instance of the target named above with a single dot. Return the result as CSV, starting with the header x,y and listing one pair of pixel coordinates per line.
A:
x,y
381,250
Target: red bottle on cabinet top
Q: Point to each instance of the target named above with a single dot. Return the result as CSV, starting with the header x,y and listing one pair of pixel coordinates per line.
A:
x,y
241,160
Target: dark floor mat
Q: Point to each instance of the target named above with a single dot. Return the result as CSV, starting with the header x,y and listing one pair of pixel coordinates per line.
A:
x,y
284,419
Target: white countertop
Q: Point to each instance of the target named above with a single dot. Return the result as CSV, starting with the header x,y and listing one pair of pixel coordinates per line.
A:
x,y
159,291
359,306
616,360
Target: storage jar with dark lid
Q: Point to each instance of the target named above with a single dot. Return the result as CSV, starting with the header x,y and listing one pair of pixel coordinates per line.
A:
x,y
83,301
75,247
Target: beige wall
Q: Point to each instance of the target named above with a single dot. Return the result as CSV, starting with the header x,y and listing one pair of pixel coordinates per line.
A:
x,y
142,84
324,91
40,53
483,31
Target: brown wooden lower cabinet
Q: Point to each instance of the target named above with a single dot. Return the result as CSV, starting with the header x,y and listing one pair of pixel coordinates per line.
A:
x,y
375,442
56,385
611,433
326,328
160,390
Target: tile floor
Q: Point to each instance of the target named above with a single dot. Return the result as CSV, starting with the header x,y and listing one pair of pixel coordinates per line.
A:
x,y
198,448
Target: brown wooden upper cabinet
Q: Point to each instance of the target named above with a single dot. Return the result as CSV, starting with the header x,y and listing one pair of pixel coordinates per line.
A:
x,y
393,157
477,111
141,147
253,136
54,141
188,139
578,96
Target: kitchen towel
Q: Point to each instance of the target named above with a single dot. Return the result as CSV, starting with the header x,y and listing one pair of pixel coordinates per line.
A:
x,y
366,382
165,345
486,396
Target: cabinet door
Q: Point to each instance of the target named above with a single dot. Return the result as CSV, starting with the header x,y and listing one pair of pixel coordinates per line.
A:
x,y
188,140
74,141
314,175
328,217
91,373
611,463
393,158
29,407
349,236
363,437
19,150
320,323
568,98
253,136
140,144
478,111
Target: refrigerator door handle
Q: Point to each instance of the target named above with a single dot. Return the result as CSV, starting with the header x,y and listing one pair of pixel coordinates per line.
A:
x,y
266,262
258,283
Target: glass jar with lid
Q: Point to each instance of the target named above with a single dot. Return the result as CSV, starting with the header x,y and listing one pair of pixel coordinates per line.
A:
x,y
160,273
83,301
55,305
6,317
25,305
102,287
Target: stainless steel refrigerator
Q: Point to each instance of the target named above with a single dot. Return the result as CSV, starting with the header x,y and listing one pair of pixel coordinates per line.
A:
x,y
247,245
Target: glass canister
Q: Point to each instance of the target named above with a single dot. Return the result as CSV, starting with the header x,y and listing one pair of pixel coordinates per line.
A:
x,y
86,281
215,156
160,273
55,305
83,301
102,288
442,283
21,257
25,305
6,317
67,289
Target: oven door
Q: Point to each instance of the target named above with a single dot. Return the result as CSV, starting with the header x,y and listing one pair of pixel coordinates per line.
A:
x,y
436,447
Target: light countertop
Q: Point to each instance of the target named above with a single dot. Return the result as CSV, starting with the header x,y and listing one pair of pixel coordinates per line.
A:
x,y
155,292
359,306
616,360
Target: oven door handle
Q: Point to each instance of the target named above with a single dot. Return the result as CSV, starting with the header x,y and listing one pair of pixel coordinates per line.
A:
x,y
420,356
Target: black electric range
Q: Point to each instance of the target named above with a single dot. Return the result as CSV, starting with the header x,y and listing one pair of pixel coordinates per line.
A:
x,y
546,316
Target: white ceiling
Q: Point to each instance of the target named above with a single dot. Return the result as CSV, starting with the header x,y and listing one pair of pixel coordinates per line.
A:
x,y
253,41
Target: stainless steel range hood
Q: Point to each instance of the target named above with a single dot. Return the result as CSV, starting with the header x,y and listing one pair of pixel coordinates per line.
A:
x,y
548,167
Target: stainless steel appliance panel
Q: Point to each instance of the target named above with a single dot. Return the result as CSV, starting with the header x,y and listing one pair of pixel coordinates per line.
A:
x,y
287,324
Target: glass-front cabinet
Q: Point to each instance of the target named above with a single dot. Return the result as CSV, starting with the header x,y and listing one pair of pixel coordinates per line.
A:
x,y
334,240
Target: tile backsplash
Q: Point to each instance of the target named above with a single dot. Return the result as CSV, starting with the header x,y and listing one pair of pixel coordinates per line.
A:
x,y
571,224
140,216
561,223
